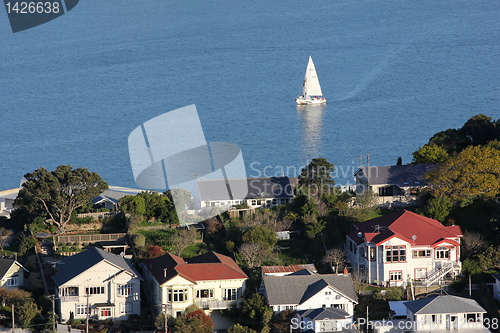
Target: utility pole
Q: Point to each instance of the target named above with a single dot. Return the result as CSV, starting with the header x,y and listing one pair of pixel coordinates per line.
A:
x,y
166,324
367,319
470,287
87,319
13,326
52,298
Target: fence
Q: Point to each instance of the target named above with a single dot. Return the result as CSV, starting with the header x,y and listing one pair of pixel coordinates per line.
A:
x,y
82,239
97,215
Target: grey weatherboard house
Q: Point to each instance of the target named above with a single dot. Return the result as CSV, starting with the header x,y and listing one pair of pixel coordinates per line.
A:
x,y
104,281
308,290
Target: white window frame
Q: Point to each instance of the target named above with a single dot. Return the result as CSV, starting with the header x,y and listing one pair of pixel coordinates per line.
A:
x,y
180,294
101,310
442,253
125,290
12,281
231,294
81,309
94,291
126,308
199,294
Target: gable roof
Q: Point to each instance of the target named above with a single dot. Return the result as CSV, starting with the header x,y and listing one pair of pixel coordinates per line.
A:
x,y
296,289
245,188
70,267
6,264
400,175
404,225
323,313
206,267
287,269
443,304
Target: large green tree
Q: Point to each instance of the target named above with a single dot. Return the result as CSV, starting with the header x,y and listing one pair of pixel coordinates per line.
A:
x,y
429,153
60,192
473,173
316,177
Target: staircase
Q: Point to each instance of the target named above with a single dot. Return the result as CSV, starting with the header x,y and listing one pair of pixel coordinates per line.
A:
x,y
439,273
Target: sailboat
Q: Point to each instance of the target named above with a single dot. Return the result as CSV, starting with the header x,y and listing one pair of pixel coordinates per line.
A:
x,y
311,90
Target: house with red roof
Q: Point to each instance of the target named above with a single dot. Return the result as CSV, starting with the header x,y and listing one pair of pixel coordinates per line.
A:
x,y
212,281
403,246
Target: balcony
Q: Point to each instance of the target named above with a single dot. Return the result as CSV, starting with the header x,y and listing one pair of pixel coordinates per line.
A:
x,y
214,304
69,298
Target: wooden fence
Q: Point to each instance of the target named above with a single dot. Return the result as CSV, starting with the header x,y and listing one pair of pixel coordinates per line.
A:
x,y
87,239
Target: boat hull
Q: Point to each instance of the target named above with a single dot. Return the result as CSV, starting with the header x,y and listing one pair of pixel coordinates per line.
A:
x,y
309,101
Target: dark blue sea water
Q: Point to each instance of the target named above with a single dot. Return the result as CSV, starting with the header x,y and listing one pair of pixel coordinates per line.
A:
x,y
393,72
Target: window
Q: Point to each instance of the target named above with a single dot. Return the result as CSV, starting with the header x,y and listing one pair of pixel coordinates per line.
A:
x,y
442,253
421,253
275,201
434,319
69,291
254,202
372,254
177,295
395,275
205,293
81,309
395,253
126,308
471,317
385,191
94,291
230,294
125,290
12,281
328,292
105,312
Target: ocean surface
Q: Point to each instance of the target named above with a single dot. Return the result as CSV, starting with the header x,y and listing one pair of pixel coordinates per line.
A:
x,y
393,72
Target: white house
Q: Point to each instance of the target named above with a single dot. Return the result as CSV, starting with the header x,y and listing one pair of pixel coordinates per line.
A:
x,y
395,185
439,314
300,291
212,281
496,288
106,282
402,246
12,274
323,320
255,192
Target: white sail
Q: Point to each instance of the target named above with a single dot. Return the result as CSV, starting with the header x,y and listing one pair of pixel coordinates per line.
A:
x,y
311,83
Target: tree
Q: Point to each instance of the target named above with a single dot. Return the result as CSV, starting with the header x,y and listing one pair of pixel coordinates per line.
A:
x,y
133,204
27,242
399,161
260,234
473,173
255,312
154,251
316,177
240,329
438,208
182,197
252,254
473,242
335,257
59,192
181,239
4,236
490,258
429,153
478,130
194,322
25,311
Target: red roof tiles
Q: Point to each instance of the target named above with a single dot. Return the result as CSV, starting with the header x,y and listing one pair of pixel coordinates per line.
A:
x,y
406,225
287,269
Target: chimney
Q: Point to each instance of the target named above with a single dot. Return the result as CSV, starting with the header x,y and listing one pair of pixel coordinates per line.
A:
x,y
164,272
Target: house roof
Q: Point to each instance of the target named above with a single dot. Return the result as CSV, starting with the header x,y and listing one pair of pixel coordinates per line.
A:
x,y
70,267
287,269
443,304
323,313
114,193
296,289
404,225
6,264
400,175
206,267
245,188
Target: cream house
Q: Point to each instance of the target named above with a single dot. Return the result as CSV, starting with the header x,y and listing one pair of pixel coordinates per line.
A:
x,y
106,282
402,246
211,281
12,274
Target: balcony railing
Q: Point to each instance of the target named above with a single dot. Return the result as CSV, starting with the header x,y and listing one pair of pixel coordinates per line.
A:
x,y
69,298
214,304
